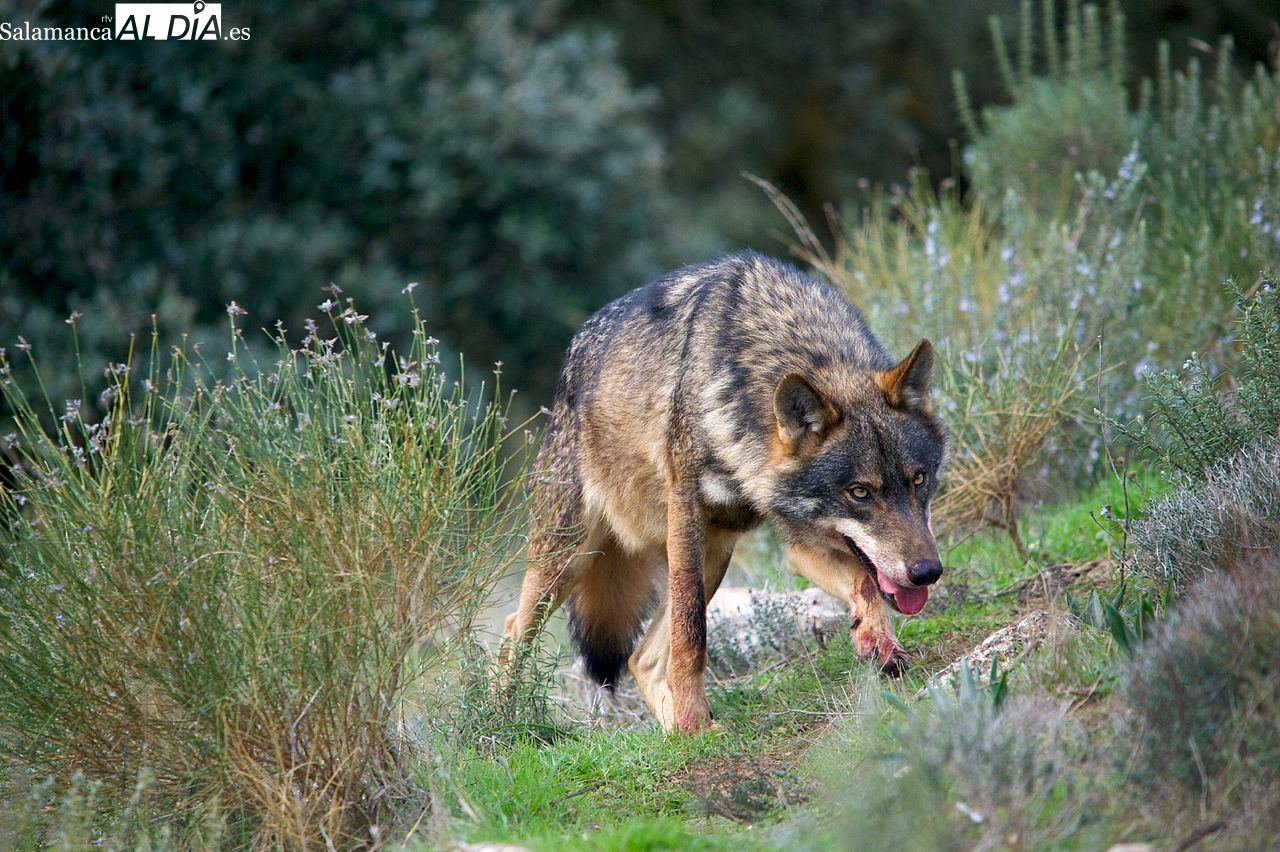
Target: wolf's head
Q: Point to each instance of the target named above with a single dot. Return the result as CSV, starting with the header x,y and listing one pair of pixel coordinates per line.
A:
x,y
857,467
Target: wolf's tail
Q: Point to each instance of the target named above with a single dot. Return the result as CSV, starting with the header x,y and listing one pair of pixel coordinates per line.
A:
x,y
606,613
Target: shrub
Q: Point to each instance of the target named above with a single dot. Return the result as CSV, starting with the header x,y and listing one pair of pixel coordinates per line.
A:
x,y
1195,530
1198,420
1071,120
477,709
219,581
1212,193
990,774
1205,697
1203,155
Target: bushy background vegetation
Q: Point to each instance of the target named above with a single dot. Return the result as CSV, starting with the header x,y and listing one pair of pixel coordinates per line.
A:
x,y
523,161
239,568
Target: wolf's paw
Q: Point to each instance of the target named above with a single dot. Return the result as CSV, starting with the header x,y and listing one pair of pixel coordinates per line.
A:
x,y
696,720
692,726
895,662
880,648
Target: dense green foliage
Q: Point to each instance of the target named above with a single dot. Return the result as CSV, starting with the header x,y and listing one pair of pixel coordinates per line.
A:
x,y
1200,417
523,161
507,168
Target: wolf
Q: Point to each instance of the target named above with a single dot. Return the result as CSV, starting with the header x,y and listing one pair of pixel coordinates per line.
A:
x,y
688,412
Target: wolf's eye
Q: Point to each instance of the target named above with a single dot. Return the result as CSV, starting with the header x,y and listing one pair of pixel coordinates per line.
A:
x,y
859,492
919,479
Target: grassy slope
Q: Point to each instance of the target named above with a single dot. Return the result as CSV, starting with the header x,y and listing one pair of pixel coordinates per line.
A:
x,y
754,784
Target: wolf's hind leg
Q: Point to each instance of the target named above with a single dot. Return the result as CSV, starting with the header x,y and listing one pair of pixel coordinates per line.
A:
x,y
608,604
555,563
560,537
841,575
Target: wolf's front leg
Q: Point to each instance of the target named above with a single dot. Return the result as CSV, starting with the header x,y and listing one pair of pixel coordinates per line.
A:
x,y
840,575
872,630
687,610
649,663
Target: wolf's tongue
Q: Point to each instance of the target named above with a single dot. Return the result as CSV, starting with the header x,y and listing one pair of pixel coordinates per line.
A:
x,y
909,601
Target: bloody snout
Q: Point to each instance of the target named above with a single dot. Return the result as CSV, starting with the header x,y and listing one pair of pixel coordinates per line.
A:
x,y
925,572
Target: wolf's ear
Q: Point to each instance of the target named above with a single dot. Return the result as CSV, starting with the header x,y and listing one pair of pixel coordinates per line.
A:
x,y
801,411
907,385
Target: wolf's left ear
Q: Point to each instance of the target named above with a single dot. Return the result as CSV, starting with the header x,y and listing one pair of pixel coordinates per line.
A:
x,y
907,385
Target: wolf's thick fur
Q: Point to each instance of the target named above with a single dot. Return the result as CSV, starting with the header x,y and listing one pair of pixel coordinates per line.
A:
x,y
688,412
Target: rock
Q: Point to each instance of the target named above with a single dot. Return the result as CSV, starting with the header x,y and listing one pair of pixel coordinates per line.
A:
x,y
1006,647
747,627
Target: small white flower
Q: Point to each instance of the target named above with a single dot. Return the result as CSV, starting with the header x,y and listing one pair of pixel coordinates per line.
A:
x,y
234,310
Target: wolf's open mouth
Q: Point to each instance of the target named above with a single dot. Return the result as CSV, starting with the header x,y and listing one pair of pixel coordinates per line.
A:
x,y
906,600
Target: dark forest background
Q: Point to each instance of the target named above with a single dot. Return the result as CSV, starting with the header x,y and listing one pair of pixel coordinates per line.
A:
x,y
522,162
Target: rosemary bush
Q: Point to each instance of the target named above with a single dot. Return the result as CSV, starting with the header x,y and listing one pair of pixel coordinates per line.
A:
x,y
219,582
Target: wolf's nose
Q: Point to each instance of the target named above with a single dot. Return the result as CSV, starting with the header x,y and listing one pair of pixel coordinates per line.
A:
x,y
925,572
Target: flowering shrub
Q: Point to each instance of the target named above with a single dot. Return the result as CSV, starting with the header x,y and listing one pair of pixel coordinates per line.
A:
x,y
219,582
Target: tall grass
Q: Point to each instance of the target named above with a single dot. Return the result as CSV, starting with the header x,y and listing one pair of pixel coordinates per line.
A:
x,y
219,582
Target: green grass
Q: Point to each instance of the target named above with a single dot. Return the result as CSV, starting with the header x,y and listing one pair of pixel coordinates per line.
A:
x,y
544,794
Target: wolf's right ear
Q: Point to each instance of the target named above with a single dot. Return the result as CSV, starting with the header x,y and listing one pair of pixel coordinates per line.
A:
x,y
801,411
907,385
